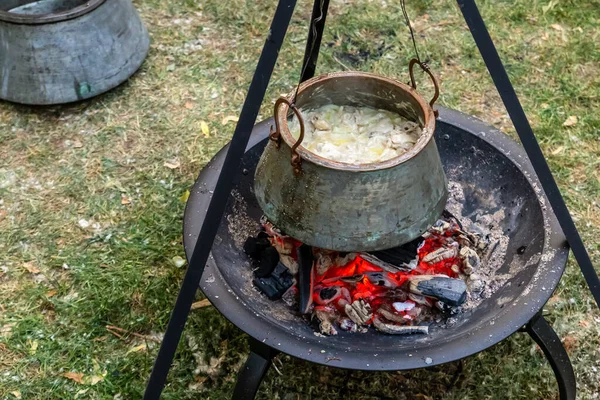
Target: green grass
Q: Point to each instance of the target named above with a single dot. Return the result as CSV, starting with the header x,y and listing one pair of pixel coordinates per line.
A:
x,y
63,164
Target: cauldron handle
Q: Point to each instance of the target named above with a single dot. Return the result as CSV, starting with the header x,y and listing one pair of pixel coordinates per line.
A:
x,y
275,134
426,69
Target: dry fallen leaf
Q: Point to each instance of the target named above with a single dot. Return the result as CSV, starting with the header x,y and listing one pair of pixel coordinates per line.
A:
x,y
125,200
570,342
94,379
584,323
229,118
189,105
74,376
6,330
33,346
571,121
51,293
200,304
16,393
204,128
31,268
185,196
558,150
557,27
137,348
172,164
77,144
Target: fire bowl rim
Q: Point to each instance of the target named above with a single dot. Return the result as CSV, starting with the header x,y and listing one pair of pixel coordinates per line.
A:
x,y
317,350
40,19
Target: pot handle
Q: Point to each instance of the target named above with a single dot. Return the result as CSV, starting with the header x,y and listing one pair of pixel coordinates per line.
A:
x,y
426,69
275,134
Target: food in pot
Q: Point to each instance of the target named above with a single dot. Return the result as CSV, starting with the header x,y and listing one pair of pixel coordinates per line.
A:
x,y
355,134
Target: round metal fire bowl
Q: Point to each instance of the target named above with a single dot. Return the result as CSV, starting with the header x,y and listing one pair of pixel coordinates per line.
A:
x,y
494,173
61,51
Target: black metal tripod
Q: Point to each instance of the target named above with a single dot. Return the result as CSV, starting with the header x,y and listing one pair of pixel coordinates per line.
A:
x,y
257,366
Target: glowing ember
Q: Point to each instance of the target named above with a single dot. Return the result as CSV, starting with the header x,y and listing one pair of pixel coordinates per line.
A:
x,y
358,290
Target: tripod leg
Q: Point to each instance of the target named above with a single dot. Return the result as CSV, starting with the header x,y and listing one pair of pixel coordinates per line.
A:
x,y
253,371
534,152
250,109
540,330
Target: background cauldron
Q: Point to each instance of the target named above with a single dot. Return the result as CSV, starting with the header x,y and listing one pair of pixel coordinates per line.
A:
x,y
60,51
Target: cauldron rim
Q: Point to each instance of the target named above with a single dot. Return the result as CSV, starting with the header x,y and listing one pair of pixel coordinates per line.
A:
x,y
427,135
318,350
39,19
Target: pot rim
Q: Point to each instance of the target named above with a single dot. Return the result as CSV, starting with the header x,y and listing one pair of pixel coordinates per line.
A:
x,y
305,154
39,19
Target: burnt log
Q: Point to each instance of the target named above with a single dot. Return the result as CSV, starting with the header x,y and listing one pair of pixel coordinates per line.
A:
x,y
255,246
392,329
448,290
267,263
275,285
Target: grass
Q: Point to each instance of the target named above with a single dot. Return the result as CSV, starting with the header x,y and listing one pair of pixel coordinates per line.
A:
x,y
103,161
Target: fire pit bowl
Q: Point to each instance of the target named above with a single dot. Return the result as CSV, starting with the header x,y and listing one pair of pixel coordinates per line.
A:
x,y
61,51
494,173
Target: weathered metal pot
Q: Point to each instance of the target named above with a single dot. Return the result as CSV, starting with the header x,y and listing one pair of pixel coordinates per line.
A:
x,y
60,51
352,207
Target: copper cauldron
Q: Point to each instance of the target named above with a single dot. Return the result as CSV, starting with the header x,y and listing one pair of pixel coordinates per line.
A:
x,y
352,207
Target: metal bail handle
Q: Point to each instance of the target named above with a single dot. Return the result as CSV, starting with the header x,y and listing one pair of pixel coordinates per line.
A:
x,y
275,134
426,69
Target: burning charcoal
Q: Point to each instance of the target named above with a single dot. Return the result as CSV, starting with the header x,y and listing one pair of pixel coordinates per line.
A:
x,y
400,256
417,298
455,268
470,260
290,298
289,262
255,246
268,261
440,305
403,306
384,265
328,295
324,261
342,260
395,294
450,291
440,226
351,279
277,284
348,325
321,321
359,311
392,329
381,279
440,254
390,316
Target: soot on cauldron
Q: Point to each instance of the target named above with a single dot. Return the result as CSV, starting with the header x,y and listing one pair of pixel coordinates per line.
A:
x,y
396,291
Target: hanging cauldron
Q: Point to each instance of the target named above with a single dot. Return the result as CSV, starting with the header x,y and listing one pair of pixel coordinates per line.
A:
x,y
352,207
60,51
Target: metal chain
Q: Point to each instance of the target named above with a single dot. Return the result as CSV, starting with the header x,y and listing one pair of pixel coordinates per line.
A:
x,y
312,46
412,33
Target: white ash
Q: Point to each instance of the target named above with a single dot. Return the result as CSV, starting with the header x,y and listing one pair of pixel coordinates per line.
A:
x,y
485,280
355,134
240,225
